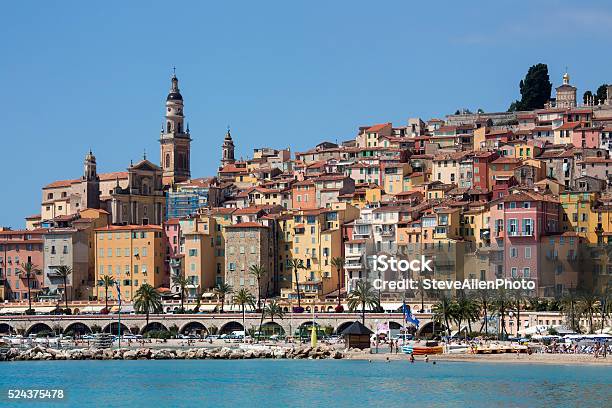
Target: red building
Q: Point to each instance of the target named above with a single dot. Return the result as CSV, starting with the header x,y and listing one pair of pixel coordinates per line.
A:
x,y
481,169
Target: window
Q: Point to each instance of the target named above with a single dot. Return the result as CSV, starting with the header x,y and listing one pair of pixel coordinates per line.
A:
x,y
527,252
512,226
514,272
526,272
193,252
513,252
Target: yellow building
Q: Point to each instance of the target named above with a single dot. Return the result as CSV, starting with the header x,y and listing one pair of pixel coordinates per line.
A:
x,y
413,181
130,254
579,215
315,237
393,177
199,255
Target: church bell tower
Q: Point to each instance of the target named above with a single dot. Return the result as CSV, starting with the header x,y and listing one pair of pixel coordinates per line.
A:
x,y
175,141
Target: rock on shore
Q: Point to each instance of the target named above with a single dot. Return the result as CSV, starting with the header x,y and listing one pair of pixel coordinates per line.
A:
x,y
221,353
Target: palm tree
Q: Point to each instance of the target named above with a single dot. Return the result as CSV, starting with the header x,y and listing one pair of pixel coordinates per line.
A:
x,y
259,272
338,263
484,300
29,270
502,305
568,306
466,309
222,290
296,264
518,295
244,298
147,300
181,281
363,294
443,311
63,272
588,304
274,310
106,281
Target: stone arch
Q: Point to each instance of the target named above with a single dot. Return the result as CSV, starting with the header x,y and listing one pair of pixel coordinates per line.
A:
x,y
269,328
430,328
194,327
304,328
38,328
394,325
6,328
153,326
77,328
113,328
343,326
331,309
229,327
285,309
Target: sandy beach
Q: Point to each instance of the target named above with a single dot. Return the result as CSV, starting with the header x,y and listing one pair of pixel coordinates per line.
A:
x,y
536,358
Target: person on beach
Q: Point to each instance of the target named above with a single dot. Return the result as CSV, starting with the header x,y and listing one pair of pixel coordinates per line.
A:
x,y
411,358
426,358
396,345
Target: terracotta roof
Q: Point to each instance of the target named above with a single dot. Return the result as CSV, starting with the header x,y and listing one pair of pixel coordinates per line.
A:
x,y
246,225
103,177
130,228
378,127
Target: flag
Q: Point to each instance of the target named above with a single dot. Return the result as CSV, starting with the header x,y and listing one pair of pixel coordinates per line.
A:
x,y
408,315
119,294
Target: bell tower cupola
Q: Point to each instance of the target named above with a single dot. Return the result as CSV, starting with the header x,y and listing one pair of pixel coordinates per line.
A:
x,y
175,140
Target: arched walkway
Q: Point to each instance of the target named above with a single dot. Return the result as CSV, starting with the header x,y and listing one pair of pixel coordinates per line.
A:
x,y
113,328
39,328
6,328
194,328
272,328
229,327
394,326
430,328
77,328
304,330
153,326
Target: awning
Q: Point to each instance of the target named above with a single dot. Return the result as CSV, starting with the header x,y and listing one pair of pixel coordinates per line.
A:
x,y
92,309
124,309
392,307
237,308
208,295
44,309
15,310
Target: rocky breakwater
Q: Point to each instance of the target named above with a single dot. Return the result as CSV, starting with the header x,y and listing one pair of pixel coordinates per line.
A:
x,y
39,353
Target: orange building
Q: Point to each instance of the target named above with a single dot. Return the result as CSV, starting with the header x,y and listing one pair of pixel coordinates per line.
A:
x,y
132,255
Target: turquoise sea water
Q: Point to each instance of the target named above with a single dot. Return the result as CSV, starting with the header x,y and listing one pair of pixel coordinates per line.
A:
x,y
308,383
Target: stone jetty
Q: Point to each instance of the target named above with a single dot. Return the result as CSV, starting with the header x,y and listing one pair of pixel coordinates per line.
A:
x,y
39,353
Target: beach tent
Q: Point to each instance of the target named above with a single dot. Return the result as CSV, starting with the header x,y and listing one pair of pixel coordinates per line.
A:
x,y
357,336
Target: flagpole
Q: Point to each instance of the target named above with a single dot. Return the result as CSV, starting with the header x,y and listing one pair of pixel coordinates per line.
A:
x,y
119,314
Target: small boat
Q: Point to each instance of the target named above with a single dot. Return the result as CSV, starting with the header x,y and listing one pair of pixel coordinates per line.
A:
x,y
430,347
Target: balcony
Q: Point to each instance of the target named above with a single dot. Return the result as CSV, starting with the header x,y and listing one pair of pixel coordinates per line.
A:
x,y
353,265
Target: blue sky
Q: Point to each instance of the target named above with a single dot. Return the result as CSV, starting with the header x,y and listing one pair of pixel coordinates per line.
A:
x,y
76,76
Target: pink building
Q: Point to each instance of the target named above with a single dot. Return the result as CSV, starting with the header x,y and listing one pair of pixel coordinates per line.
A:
x,y
172,234
17,248
589,137
528,216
